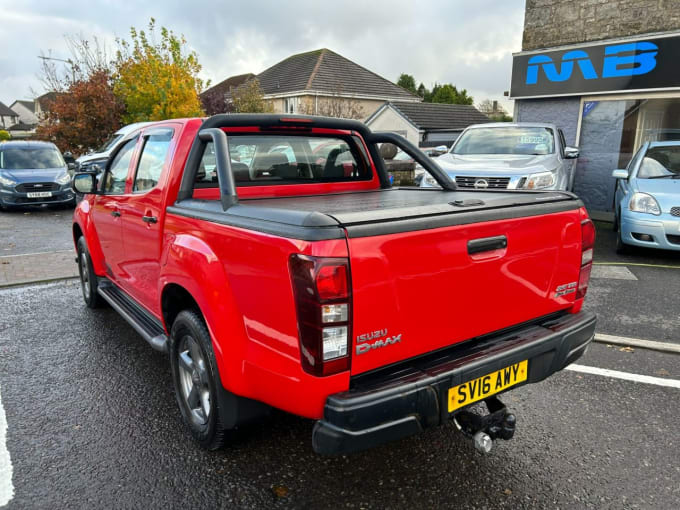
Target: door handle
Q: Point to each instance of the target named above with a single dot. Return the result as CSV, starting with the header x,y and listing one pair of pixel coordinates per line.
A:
x,y
487,244
115,214
149,219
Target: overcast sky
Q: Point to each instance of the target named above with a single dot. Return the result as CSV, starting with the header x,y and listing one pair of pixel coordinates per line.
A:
x,y
468,43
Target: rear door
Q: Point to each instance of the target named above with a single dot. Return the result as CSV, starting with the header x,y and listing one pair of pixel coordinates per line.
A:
x,y
419,291
142,215
108,206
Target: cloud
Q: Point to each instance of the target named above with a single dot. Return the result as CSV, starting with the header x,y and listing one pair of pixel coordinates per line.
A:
x,y
466,43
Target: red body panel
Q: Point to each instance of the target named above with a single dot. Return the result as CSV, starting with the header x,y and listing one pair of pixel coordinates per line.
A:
x,y
425,286
421,284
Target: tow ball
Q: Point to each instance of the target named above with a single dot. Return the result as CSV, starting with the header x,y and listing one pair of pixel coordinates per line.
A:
x,y
499,423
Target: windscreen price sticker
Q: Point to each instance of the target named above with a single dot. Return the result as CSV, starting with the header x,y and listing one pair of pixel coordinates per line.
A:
x,y
526,139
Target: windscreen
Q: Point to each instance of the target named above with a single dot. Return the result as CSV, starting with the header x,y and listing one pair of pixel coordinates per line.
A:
x,y
661,162
30,158
109,143
506,140
286,159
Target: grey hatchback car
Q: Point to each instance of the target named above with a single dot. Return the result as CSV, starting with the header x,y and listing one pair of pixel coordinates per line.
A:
x,y
509,156
33,173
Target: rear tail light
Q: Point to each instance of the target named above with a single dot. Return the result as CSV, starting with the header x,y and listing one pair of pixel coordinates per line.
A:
x,y
587,246
322,301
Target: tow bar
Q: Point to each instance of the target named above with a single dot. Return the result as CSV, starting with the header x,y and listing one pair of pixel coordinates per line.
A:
x,y
483,429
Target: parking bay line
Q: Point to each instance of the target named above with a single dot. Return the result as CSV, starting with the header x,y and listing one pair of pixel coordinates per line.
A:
x,y
635,264
626,376
6,488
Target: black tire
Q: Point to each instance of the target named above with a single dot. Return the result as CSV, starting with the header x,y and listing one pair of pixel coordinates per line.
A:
x,y
615,225
195,377
88,278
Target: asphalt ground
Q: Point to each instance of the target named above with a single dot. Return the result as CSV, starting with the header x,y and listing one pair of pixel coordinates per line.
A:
x,y
92,421
35,229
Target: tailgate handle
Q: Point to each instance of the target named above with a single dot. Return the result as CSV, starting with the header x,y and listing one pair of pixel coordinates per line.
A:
x,y
487,244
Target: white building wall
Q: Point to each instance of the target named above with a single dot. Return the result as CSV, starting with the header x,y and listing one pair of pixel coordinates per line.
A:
x,y
25,115
391,121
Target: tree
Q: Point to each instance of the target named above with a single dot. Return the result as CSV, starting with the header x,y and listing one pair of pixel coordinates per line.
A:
x,y
337,105
494,111
449,94
422,90
84,115
248,98
157,80
4,135
408,82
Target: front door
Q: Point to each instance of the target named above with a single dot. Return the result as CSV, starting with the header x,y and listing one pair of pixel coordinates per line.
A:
x,y
142,216
107,209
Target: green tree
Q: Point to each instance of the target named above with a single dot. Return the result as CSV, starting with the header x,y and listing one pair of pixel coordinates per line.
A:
x,y
449,94
408,82
248,98
422,90
4,135
157,80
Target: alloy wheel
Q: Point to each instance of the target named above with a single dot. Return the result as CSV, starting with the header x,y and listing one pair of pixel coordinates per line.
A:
x,y
194,380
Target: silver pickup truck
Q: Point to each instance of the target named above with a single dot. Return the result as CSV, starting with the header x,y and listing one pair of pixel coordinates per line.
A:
x,y
509,156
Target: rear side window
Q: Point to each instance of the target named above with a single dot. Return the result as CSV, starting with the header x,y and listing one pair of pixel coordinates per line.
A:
x,y
286,159
114,181
154,153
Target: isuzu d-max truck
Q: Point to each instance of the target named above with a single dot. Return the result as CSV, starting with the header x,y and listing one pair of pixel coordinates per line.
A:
x,y
277,275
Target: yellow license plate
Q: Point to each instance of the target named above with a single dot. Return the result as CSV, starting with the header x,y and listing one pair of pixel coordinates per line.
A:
x,y
487,385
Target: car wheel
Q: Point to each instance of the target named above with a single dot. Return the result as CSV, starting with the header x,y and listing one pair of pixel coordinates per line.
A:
x,y
194,374
88,278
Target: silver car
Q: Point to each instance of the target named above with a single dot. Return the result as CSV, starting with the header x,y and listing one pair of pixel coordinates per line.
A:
x,y
509,156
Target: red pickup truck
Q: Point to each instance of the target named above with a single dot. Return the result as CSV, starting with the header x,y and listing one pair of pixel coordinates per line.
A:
x,y
272,260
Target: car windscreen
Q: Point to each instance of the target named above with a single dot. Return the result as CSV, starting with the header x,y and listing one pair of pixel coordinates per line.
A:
x,y
109,143
30,158
286,159
506,140
660,162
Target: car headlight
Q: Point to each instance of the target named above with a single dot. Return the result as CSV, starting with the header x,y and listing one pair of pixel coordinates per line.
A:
x,y
64,179
429,181
540,180
644,203
5,181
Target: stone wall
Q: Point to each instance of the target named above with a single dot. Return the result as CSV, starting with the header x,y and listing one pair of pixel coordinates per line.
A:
x,y
549,23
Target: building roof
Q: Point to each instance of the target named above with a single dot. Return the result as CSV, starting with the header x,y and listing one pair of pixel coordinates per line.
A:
x,y
29,105
6,111
225,86
325,71
45,100
437,116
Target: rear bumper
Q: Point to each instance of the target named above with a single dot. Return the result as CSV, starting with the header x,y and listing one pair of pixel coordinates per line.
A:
x,y
402,401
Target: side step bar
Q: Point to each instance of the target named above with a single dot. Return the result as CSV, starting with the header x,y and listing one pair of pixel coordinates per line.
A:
x,y
144,323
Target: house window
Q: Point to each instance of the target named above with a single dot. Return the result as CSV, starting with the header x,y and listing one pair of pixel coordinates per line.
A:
x,y
289,105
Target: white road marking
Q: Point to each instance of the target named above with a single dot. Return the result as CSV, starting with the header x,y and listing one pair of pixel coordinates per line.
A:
x,y
6,487
38,253
637,342
612,273
626,376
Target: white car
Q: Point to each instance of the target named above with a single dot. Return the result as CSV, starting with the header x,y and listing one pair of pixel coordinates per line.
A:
x,y
510,156
101,155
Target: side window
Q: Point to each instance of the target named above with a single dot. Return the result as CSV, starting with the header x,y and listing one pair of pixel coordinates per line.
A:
x,y
154,152
635,159
114,180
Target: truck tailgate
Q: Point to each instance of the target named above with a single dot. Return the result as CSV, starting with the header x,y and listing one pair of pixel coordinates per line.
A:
x,y
421,290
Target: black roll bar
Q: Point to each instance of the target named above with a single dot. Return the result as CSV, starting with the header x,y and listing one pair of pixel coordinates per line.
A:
x,y
427,163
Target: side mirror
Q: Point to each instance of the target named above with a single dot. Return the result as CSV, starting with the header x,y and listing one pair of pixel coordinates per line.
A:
x,y
571,153
620,174
83,183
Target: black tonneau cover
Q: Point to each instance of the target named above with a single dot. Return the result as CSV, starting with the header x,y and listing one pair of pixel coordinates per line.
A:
x,y
375,212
